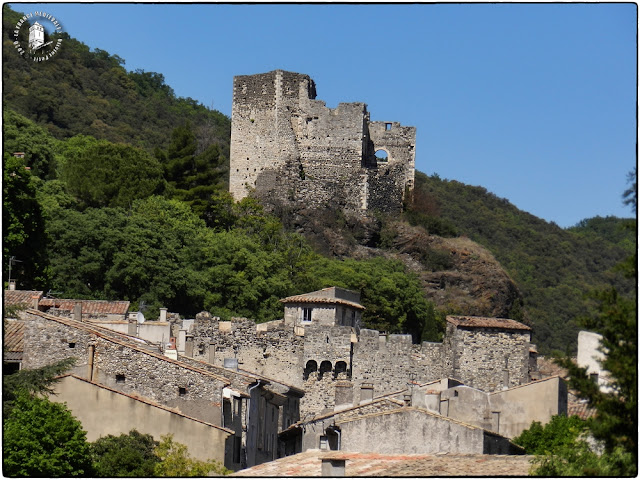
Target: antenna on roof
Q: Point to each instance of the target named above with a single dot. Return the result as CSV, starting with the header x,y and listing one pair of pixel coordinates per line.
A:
x,y
12,262
52,294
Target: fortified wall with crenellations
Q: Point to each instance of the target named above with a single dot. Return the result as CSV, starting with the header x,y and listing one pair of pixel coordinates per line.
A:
x,y
317,354
289,148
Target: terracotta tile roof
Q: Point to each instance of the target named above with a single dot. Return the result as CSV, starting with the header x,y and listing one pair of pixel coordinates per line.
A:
x,y
486,322
309,464
20,297
89,307
580,409
547,367
316,299
13,336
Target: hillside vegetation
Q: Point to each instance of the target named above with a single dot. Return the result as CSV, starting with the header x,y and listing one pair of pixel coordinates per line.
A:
x,y
124,196
553,267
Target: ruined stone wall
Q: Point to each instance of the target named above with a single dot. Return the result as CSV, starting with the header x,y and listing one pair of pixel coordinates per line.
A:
x,y
293,150
488,359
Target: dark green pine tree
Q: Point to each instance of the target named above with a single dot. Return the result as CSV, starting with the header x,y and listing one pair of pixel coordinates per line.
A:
x,y
193,177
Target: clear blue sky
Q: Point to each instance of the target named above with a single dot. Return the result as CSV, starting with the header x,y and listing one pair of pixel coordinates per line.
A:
x,y
535,102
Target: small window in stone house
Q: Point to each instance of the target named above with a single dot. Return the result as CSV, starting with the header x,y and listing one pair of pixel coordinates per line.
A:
x,y
387,126
182,391
306,314
455,393
72,344
119,378
324,443
237,406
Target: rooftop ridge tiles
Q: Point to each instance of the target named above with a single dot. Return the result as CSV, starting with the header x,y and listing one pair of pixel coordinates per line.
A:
x,y
109,336
421,410
318,299
545,379
471,321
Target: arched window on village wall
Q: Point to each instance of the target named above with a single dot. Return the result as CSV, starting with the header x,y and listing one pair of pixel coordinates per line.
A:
x,y
312,366
325,367
340,367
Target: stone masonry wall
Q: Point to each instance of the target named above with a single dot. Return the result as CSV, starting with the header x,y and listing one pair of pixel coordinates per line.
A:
x,y
488,359
391,362
124,367
293,150
270,350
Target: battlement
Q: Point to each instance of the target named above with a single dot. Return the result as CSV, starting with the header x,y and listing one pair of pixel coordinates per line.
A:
x,y
291,149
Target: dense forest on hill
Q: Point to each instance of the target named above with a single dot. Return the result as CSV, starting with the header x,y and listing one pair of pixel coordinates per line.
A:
x,y
124,196
90,92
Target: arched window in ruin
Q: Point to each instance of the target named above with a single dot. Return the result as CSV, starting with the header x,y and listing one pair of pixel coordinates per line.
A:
x,y
382,155
340,367
312,366
325,367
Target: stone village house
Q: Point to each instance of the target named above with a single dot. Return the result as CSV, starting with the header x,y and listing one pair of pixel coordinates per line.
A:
x,y
227,414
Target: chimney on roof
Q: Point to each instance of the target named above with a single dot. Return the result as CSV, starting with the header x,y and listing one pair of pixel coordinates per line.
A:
x,y
188,347
36,301
163,314
12,284
344,394
366,393
333,467
77,311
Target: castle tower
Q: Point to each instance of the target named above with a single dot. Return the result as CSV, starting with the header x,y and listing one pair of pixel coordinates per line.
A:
x,y
291,149
36,36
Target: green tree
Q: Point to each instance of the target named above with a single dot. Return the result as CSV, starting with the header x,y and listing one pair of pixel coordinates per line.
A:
x,y
126,455
559,432
175,461
393,297
43,439
193,175
32,382
24,236
105,174
23,135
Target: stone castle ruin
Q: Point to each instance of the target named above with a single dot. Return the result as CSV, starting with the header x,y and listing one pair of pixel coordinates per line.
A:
x,y
290,148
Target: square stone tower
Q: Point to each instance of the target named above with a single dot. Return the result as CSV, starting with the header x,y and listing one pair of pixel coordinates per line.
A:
x,y
291,149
